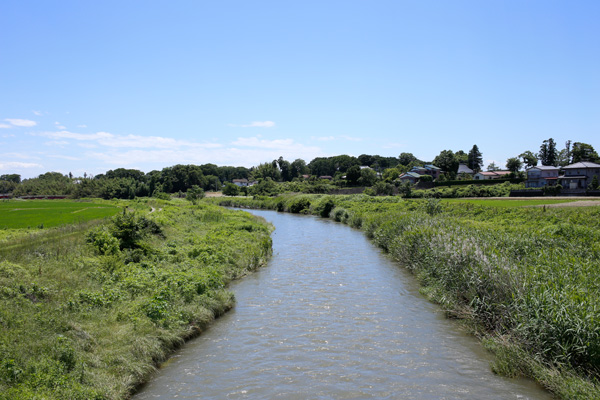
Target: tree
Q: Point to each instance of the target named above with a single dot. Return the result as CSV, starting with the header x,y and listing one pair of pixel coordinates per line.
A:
x,y
267,170
365,159
548,154
493,167
583,152
474,159
446,161
368,177
594,184
353,174
564,156
513,164
231,189
286,169
15,178
529,158
194,194
408,158
461,157
298,168
391,174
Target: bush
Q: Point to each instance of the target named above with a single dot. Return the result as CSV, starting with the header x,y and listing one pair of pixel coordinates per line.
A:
x,y
324,206
298,205
194,194
231,189
384,189
103,241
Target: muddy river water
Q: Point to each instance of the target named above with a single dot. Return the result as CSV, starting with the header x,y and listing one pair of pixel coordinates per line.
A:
x,y
331,317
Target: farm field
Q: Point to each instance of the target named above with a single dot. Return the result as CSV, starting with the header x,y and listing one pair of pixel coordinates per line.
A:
x,y
525,202
19,214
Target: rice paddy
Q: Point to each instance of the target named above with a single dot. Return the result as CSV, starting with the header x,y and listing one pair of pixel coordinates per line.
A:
x,y
19,214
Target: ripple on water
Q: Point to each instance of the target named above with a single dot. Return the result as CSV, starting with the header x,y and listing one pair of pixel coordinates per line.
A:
x,y
330,317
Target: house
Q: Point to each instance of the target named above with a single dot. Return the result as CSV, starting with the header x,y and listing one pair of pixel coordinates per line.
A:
x,y
485,175
463,169
541,175
410,176
428,169
328,177
243,182
578,176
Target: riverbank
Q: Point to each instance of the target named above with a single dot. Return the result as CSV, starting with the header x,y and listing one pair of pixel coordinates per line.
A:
x,y
525,279
89,313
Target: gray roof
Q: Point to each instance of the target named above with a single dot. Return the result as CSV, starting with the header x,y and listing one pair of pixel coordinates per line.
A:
x,y
411,174
582,164
544,167
463,168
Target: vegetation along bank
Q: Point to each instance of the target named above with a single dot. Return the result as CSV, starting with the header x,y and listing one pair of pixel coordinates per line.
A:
x,y
525,278
87,310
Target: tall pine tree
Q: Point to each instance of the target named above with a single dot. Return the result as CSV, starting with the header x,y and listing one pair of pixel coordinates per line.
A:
x,y
474,159
548,154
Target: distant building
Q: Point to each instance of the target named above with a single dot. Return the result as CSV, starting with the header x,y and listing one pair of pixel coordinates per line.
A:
x,y
410,176
243,182
578,176
485,175
541,175
463,169
428,169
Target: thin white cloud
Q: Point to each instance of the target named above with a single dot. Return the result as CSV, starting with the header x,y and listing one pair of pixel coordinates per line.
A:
x,y
325,138
5,126
12,165
86,145
38,113
393,145
82,126
350,138
22,156
256,124
124,141
61,143
62,157
265,143
60,126
339,137
21,122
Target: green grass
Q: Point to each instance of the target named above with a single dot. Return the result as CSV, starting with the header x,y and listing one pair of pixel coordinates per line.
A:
x,y
509,202
19,214
89,313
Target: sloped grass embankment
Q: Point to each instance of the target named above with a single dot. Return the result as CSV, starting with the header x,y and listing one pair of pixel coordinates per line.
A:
x,y
89,314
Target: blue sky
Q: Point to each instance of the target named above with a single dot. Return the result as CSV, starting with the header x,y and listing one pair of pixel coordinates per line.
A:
x,y
92,86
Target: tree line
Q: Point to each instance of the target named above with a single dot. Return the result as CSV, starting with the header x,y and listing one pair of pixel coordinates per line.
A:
x,y
349,170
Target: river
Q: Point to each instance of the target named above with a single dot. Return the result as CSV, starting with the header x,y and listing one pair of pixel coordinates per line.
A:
x,y
331,317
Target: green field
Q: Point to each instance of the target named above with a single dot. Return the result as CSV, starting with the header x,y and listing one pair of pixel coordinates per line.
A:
x,y
19,214
510,202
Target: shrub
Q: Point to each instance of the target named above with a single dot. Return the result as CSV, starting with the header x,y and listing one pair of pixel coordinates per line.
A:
x,y
323,206
103,241
384,189
231,189
298,205
194,194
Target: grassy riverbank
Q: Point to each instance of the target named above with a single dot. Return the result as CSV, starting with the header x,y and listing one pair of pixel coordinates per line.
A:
x,y
525,278
87,311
